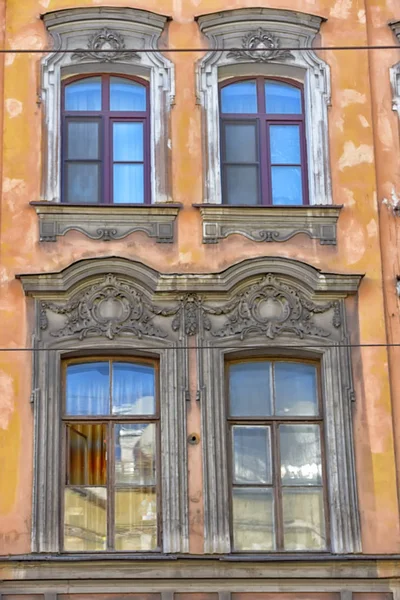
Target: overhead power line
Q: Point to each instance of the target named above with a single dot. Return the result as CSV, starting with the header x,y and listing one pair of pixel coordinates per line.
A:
x,y
201,347
180,50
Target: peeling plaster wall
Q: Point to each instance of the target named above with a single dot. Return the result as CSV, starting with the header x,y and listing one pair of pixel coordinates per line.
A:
x,y
364,147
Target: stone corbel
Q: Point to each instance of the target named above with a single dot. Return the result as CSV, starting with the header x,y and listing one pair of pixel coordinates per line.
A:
x,y
269,223
106,222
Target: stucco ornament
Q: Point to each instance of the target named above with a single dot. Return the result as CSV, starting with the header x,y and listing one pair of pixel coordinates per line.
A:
x,y
271,308
260,46
106,309
106,45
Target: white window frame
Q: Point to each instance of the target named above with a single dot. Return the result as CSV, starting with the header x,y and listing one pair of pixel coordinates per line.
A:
x,y
75,29
229,29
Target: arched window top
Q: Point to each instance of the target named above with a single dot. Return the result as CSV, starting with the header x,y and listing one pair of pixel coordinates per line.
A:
x,y
261,95
105,93
263,142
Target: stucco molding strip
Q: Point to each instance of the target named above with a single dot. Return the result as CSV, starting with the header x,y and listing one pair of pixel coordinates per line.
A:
x,y
395,71
106,222
269,223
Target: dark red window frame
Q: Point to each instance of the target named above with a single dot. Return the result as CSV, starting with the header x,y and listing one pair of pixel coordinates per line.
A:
x,y
263,121
107,118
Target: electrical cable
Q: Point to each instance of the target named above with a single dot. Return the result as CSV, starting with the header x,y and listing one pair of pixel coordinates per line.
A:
x,y
178,50
197,347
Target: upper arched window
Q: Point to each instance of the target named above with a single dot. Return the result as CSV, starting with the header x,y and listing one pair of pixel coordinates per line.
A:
x,y
105,151
263,146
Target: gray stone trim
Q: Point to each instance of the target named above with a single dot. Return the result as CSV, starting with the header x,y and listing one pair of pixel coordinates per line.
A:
x,y
156,314
76,29
303,324
106,222
137,326
269,223
395,71
285,28
317,282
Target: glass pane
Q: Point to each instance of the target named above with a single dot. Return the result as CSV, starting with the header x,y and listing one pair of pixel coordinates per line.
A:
x,y
83,140
286,185
88,389
84,94
85,519
251,454
135,519
127,95
86,454
239,97
300,454
285,144
241,184
281,98
133,389
250,389
83,182
295,389
240,142
135,453
128,184
253,519
303,519
128,142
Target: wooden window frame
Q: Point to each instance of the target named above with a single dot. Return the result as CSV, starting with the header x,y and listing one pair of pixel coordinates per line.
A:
x,y
109,420
276,485
263,121
106,118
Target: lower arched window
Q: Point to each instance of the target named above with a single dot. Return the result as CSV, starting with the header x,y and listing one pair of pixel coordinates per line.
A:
x,y
277,471
111,464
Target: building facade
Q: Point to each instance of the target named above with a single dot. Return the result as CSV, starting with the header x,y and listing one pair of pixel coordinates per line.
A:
x,y
199,296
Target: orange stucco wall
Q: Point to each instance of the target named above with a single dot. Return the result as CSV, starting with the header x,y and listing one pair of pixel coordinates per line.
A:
x,y
364,147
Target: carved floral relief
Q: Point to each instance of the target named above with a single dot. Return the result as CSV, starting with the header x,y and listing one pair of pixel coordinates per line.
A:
x,y
113,307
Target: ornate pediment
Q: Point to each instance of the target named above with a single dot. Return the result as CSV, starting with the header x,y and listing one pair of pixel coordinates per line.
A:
x,y
270,308
106,45
107,309
115,307
260,45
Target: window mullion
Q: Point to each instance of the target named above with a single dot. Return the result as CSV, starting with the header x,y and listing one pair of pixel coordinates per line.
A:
x,y
277,488
110,488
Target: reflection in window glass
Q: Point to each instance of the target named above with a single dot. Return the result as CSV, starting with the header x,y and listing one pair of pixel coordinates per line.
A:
x,y
303,519
252,454
263,149
296,389
276,464
83,95
282,98
111,474
253,519
250,389
85,519
300,450
239,97
133,389
135,454
128,96
105,149
88,389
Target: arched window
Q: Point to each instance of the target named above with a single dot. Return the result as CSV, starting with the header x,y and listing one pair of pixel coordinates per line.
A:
x,y
263,146
105,150
277,469
111,468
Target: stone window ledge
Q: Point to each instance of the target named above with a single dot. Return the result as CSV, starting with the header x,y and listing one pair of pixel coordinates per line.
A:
x,y
106,222
269,223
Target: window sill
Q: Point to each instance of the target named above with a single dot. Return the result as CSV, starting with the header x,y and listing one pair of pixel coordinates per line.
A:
x,y
269,223
106,222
